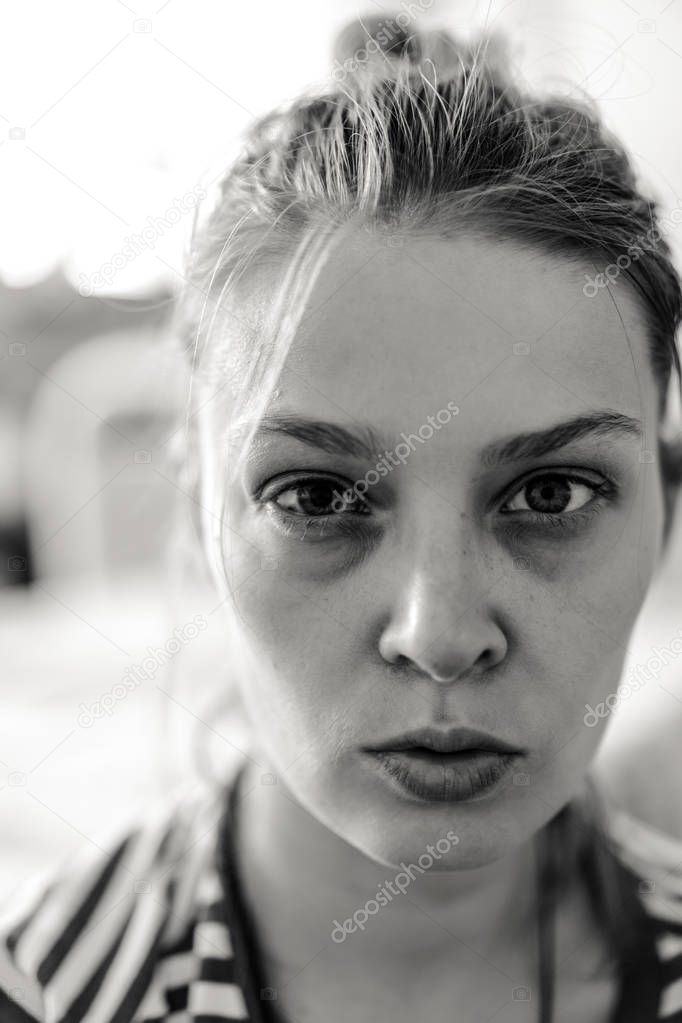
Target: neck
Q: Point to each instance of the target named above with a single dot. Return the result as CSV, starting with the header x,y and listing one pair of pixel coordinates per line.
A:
x,y
286,858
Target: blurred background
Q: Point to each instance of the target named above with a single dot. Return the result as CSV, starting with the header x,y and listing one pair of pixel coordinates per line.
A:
x,y
114,119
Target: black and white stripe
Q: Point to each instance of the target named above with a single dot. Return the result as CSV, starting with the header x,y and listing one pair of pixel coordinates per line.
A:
x,y
138,934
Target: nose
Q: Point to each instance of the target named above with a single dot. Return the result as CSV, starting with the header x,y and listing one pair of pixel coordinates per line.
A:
x,y
442,620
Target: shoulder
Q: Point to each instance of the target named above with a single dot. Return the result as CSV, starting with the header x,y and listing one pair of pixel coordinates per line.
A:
x,y
640,788
640,777
91,932
639,785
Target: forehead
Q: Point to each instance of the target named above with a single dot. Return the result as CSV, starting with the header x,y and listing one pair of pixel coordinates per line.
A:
x,y
391,333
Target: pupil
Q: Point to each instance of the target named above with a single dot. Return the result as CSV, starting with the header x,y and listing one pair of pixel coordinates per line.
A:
x,y
318,495
555,492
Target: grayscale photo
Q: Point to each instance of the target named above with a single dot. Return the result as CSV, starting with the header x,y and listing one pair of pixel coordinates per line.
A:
x,y
340,539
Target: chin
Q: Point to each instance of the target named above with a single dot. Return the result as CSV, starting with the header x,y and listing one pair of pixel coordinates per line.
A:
x,y
397,850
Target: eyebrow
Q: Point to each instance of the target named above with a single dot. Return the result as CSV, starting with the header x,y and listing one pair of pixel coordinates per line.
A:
x,y
602,422
365,442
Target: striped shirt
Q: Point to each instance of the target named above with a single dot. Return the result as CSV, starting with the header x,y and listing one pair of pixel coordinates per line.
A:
x,y
151,928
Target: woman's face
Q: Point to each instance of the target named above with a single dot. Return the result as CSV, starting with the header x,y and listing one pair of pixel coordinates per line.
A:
x,y
472,581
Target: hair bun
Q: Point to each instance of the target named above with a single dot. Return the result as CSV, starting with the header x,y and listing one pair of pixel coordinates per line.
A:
x,y
363,37
376,41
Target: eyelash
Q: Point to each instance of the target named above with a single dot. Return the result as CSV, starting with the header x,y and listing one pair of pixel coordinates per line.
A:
x,y
602,491
351,524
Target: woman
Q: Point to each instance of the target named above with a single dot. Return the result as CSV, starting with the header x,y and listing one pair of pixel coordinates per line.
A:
x,y
432,326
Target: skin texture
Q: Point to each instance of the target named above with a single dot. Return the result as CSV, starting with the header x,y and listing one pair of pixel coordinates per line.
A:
x,y
441,609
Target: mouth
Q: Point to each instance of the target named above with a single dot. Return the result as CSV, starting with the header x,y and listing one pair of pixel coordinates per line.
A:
x,y
454,740
459,765
420,754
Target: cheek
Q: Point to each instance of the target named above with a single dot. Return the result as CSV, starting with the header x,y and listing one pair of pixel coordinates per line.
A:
x,y
294,621
590,594
301,633
575,639
302,649
602,619
571,614
579,626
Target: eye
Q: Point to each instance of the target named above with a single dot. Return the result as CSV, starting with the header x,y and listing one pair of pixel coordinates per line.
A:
x,y
559,498
316,507
318,497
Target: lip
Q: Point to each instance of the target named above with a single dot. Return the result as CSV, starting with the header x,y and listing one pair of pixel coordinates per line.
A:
x,y
453,765
453,740
466,776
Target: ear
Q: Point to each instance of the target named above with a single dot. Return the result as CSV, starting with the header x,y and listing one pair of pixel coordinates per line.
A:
x,y
188,474
190,487
670,458
205,498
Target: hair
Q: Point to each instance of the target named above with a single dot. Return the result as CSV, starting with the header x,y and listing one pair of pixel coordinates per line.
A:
x,y
432,137
418,134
